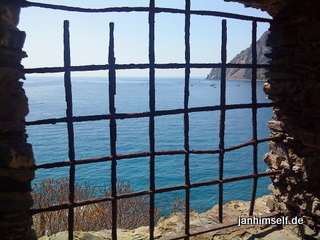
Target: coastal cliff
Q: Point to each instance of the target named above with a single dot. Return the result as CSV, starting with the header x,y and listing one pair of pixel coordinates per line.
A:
x,y
245,57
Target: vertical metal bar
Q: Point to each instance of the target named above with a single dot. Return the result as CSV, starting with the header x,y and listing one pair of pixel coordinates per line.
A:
x,y
69,113
254,114
152,108
222,114
186,116
113,129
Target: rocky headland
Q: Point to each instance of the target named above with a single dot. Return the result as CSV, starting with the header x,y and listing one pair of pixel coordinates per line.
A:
x,y
245,57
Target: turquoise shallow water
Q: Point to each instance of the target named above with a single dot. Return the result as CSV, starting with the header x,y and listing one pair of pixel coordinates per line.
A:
x,y
90,96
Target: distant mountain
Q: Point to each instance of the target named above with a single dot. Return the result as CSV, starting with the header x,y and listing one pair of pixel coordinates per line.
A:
x,y
245,57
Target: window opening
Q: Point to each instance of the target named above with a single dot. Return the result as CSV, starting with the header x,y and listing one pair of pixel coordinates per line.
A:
x,y
152,115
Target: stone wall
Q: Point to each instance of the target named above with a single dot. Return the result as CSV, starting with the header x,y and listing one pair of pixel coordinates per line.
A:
x,y
16,157
294,86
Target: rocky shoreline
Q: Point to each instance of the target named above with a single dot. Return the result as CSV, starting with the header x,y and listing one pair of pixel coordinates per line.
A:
x,y
174,225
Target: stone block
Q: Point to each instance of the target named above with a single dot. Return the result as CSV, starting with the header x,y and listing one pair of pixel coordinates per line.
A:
x,y
271,88
309,233
13,87
12,126
13,107
316,207
276,125
284,165
12,137
272,160
279,149
11,59
16,156
21,175
9,74
15,202
270,203
8,220
296,169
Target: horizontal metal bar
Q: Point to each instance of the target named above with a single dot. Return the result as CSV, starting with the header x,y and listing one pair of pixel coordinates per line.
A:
x,y
83,68
147,114
217,14
141,9
157,153
147,192
238,178
59,207
44,70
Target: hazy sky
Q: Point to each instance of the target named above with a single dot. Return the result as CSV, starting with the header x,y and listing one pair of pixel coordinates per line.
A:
x,y
89,35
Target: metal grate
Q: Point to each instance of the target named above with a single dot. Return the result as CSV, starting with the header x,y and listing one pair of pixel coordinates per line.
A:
x,y
113,116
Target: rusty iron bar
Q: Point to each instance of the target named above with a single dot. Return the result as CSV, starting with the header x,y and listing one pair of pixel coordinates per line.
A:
x,y
113,130
156,191
157,153
152,109
69,113
186,117
222,114
147,114
87,68
254,115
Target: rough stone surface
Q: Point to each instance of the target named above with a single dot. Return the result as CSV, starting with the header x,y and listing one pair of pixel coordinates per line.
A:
x,y
174,225
16,157
271,6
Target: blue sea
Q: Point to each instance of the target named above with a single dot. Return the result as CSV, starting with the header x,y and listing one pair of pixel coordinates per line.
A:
x,y
90,97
